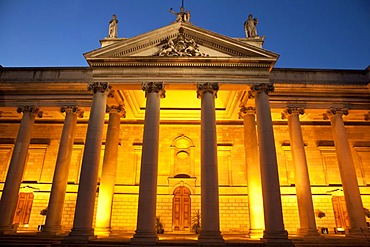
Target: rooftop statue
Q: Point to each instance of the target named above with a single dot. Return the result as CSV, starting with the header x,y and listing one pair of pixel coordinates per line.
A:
x,y
113,27
182,16
250,27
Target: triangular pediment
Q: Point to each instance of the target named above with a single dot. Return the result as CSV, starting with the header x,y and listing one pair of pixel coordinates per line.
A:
x,y
195,42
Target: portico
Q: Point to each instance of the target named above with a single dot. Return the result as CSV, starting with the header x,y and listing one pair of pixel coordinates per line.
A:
x,y
202,133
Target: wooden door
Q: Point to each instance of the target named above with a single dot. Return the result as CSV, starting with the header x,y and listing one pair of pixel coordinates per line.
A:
x,y
23,210
181,209
340,212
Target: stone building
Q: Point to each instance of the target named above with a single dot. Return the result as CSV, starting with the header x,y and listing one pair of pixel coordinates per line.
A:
x,y
182,120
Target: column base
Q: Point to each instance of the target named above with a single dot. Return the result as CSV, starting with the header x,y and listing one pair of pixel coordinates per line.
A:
x,y
80,235
277,239
102,231
51,231
212,238
276,235
144,238
308,233
358,233
255,233
10,229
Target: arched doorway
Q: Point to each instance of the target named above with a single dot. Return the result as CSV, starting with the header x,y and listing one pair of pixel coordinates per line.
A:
x,y
181,209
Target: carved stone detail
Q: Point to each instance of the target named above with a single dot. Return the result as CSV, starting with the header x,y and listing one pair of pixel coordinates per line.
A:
x,y
180,47
250,110
156,87
116,109
99,86
335,111
292,110
31,109
73,109
258,88
211,87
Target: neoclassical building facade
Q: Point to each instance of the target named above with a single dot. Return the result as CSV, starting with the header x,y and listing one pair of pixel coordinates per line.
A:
x,y
181,122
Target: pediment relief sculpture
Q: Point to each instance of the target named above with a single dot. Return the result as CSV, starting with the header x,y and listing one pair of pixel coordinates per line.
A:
x,y
180,47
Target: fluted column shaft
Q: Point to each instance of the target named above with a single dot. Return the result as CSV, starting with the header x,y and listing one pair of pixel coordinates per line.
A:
x,y
145,229
108,176
274,224
255,200
83,219
210,232
352,195
302,180
9,197
60,179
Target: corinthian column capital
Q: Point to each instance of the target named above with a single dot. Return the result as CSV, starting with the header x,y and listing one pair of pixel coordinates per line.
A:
x,y
30,109
258,88
99,87
250,110
335,111
211,87
292,110
119,109
72,109
156,87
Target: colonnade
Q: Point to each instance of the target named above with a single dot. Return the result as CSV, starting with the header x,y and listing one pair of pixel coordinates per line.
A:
x,y
260,158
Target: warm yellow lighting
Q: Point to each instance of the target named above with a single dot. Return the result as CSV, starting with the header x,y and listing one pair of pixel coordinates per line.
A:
x,y
182,155
103,214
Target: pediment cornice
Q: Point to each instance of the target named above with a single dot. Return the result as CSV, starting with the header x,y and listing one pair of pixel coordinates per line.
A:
x,y
142,49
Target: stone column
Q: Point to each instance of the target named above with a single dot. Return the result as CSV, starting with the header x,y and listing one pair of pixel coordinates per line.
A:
x,y
255,200
302,181
358,227
210,233
83,219
146,233
58,189
108,176
274,225
9,197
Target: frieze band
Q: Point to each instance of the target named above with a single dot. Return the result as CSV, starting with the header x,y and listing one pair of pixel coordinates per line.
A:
x,y
211,87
